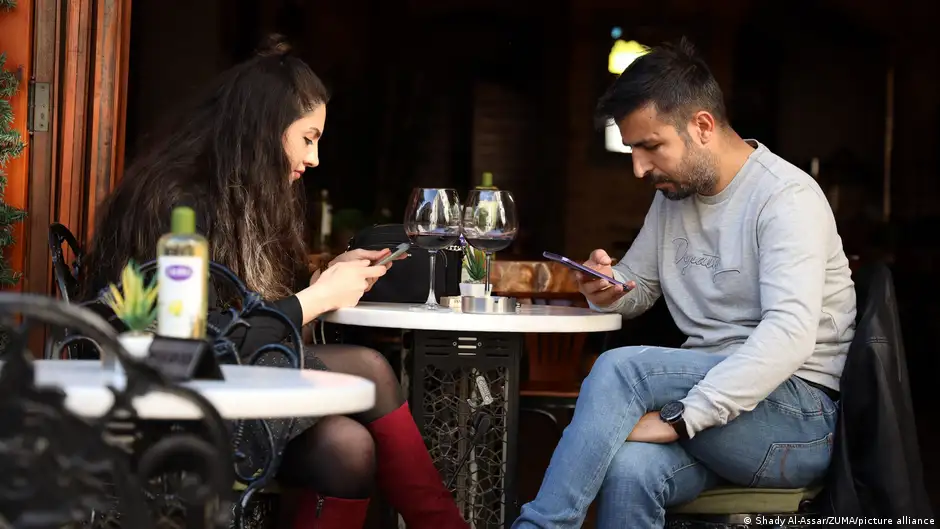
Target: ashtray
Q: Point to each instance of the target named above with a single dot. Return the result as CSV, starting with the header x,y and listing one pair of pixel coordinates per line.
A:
x,y
488,305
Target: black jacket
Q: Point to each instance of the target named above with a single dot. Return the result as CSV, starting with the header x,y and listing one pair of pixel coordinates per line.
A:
x,y
876,468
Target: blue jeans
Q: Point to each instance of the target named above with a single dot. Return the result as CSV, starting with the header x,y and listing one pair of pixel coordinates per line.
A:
x,y
785,442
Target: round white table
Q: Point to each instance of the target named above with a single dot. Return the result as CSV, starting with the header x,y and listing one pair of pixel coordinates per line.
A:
x,y
529,318
248,392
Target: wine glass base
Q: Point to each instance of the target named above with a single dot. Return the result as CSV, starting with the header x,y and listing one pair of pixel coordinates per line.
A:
x,y
430,306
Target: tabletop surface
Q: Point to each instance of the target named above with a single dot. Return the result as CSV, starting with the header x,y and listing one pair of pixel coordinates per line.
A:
x,y
248,392
529,318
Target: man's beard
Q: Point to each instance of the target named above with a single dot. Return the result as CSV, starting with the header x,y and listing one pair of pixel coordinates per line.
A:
x,y
697,174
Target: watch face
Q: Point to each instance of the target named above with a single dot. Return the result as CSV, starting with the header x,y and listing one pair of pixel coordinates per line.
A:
x,y
672,412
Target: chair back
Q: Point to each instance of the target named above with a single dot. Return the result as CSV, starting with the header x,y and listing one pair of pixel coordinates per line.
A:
x,y
555,357
66,275
555,360
85,468
876,467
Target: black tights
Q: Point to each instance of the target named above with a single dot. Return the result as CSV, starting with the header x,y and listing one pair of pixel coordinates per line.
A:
x,y
336,456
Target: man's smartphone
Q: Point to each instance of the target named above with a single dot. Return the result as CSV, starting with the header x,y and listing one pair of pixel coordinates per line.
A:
x,y
402,248
574,265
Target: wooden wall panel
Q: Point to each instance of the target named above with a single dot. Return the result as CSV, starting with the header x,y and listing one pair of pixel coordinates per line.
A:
x,y
80,51
43,174
74,98
93,108
109,82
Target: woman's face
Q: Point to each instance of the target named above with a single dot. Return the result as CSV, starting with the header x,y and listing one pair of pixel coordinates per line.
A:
x,y
301,142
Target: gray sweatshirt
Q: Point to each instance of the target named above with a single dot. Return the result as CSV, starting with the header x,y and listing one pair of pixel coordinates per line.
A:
x,y
756,273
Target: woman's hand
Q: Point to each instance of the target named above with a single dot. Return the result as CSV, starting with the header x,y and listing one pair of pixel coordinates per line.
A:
x,y
359,254
339,286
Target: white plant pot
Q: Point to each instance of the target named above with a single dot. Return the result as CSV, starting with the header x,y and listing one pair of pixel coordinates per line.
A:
x,y
137,345
474,290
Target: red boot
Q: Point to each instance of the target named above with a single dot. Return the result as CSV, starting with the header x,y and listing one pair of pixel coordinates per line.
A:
x,y
406,475
320,512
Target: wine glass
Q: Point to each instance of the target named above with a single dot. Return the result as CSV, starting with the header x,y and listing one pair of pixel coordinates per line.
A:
x,y
432,222
490,223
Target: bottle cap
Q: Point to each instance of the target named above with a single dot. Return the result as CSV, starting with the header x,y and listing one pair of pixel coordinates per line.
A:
x,y
487,179
183,220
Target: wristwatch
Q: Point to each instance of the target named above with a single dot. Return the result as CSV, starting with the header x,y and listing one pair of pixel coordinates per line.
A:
x,y
671,414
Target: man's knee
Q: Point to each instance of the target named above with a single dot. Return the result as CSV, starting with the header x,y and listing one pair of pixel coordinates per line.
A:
x,y
639,465
665,474
621,364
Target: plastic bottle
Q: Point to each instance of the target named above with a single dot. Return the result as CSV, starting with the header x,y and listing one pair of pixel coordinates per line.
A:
x,y
183,264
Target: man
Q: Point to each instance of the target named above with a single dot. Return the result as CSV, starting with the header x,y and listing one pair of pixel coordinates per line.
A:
x,y
744,247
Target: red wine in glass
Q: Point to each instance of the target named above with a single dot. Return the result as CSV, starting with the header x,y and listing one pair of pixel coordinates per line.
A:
x,y
490,223
433,222
432,241
491,244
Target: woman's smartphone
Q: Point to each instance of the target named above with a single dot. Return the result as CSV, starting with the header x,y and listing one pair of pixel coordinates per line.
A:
x,y
402,248
574,265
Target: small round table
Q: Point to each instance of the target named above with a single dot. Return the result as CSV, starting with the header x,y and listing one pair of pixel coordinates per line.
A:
x,y
464,368
248,392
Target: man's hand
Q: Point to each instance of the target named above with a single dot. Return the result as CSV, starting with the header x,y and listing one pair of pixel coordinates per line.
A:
x,y
652,429
599,291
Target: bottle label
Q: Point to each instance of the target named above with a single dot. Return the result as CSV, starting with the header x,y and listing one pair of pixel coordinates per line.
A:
x,y
181,297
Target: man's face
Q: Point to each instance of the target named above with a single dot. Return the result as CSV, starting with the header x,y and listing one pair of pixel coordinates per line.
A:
x,y
672,161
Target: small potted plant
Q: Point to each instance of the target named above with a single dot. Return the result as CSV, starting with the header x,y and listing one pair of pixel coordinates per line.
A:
x,y
474,266
135,304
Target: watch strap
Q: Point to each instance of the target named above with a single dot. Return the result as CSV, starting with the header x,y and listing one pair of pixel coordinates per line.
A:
x,y
679,426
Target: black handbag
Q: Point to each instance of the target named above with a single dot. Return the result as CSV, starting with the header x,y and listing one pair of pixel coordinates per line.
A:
x,y
408,280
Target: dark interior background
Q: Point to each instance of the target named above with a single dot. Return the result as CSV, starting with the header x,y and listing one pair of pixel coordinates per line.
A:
x,y
435,92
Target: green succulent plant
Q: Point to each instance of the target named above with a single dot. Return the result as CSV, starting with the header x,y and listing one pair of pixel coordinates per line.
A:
x,y
475,263
134,303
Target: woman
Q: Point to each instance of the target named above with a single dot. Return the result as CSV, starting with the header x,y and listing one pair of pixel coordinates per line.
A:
x,y
236,159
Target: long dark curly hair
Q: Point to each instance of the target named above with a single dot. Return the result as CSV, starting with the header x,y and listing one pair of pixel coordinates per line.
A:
x,y
225,158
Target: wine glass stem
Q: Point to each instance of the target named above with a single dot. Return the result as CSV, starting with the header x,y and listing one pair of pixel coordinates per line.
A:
x,y
432,298
486,274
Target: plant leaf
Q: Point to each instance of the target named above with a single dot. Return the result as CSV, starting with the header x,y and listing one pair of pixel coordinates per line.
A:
x,y
138,306
127,283
116,301
151,297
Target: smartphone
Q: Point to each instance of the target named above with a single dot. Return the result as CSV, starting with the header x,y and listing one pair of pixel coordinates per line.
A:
x,y
402,248
574,265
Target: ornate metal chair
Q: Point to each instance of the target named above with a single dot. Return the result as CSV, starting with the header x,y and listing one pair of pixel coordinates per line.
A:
x,y
257,444
60,470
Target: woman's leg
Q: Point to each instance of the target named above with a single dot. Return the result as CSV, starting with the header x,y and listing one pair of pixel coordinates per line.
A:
x,y
366,363
404,472
333,464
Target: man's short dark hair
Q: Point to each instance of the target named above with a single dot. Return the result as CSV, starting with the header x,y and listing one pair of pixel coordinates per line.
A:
x,y
671,77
